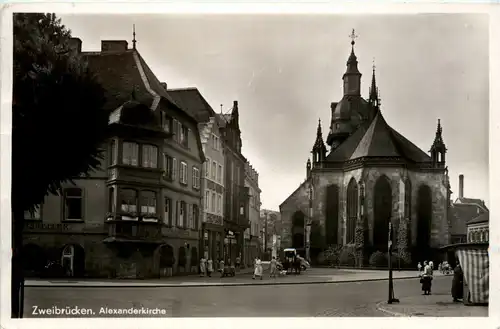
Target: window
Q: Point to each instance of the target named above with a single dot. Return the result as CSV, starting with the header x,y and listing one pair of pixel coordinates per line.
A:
x,y
196,215
196,178
167,123
184,136
207,168
73,203
219,204
215,142
36,215
207,199
130,154
149,156
174,168
182,213
111,203
112,152
148,203
214,169
128,199
212,208
167,213
219,174
183,173
177,130
168,167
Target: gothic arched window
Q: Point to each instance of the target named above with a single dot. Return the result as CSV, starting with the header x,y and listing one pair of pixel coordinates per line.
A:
x,y
352,210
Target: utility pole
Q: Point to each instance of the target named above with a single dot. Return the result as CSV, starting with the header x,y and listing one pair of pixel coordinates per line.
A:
x,y
265,232
391,298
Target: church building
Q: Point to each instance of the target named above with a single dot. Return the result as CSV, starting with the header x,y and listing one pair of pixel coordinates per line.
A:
x,y
369,176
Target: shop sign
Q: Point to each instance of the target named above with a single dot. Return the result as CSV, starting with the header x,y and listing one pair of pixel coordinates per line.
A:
x,y
47,226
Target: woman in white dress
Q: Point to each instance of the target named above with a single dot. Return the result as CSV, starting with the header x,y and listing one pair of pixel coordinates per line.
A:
x,y
258,268
203,263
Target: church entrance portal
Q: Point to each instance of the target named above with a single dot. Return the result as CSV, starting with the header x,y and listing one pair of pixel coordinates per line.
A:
x,y
382,213
298,222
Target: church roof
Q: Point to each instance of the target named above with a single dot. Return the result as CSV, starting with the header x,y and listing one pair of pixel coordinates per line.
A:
x,y
377,139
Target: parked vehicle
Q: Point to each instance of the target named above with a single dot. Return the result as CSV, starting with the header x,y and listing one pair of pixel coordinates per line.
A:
x,y
292,263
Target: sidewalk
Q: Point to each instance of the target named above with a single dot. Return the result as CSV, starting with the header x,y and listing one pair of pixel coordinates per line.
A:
x,y
242,278
439,305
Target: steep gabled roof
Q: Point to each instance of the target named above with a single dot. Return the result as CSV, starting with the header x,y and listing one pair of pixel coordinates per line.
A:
x,y
192,101
377,139
124,73
462,214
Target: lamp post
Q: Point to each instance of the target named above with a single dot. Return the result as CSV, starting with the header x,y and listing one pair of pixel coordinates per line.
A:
x,y
391,298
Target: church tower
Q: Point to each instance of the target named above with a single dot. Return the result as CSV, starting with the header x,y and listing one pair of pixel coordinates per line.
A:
x,y
352,76
352,108
438,148
319,148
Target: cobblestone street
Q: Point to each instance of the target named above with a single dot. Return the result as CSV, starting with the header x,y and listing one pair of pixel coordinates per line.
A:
x,y
304,300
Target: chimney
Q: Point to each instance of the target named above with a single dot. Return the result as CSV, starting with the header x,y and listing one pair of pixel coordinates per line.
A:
x,y
164,85
75,44
113,45
460,186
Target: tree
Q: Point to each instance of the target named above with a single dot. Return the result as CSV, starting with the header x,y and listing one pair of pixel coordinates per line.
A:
x,y
58,123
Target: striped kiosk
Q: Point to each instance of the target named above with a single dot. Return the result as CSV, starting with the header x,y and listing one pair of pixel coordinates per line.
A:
x,y
474,259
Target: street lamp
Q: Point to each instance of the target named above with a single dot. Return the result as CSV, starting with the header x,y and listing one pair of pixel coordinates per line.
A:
x,y
391,298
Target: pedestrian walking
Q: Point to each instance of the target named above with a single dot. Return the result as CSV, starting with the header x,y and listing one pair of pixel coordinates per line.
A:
x,y
457,285
426,279
258,269
238,261
431,265
203,263
272,267
210,267
419,267
221,267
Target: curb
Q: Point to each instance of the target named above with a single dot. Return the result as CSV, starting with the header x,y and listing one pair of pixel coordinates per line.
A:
x,y
391,313
195,285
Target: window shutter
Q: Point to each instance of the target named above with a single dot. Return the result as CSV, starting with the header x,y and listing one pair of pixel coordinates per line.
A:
x,y
174,169
187,137
176,215
190,215
176,132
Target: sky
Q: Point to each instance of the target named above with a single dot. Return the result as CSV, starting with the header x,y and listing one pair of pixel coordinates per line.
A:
x,y
285,70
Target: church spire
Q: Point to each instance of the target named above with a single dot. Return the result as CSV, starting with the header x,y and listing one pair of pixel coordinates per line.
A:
x,y
374,98
352,76
438,148
319,148
133,39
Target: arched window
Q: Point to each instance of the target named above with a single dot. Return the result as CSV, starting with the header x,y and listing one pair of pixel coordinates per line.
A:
x,y
382,212
407,198
424,217
298,222
332,214
352,210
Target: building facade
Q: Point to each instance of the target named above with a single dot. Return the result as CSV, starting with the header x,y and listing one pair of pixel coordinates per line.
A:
x,y
252,239
213,170
462,212
236,202
371,177
139,216
478,229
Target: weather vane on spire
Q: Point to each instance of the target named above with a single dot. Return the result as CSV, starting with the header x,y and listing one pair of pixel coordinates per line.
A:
x,y
353,36
133,40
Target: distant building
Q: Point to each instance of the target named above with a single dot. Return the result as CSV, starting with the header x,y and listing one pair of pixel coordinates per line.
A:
x,y
138,216
462,212
212,230
252,236
478,229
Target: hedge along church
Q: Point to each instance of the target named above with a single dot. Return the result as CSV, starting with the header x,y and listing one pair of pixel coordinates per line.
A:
x,y
370,176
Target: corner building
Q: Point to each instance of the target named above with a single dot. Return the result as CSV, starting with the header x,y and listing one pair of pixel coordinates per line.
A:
x,y
370,176
138,216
